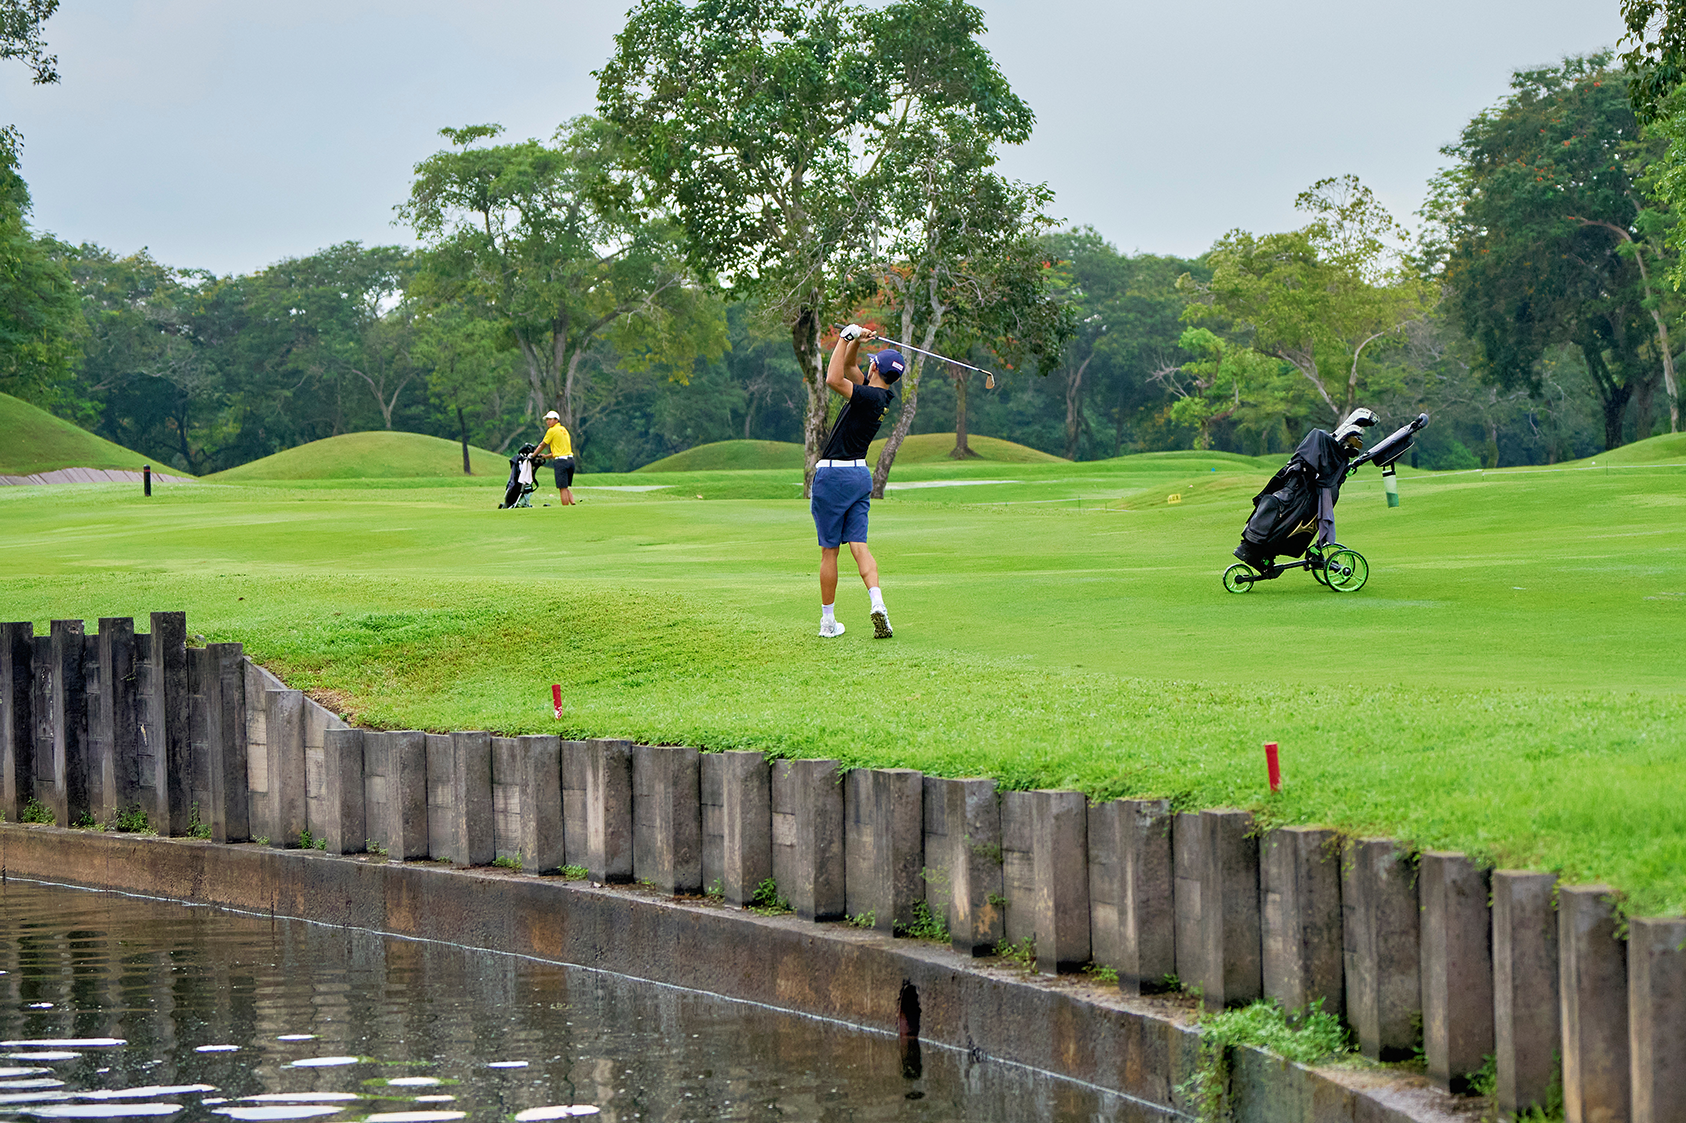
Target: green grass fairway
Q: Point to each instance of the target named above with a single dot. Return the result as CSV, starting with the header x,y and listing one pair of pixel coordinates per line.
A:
x,y
1512,682
370,456
730,456
33,440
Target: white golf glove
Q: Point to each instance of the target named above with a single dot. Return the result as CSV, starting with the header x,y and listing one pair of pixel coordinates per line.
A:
x,y
850,333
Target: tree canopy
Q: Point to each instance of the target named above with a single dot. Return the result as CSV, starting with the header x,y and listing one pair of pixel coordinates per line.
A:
x,y
548,241
763,123
1548,240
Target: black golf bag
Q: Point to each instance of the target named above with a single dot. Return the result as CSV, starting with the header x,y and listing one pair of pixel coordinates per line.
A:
x,y
519,490
1284,521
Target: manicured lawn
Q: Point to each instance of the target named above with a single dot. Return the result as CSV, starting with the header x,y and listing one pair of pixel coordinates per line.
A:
x,y
1510,682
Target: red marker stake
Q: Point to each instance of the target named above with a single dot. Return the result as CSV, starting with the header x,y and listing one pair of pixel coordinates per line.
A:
x,y
1270,763
556,698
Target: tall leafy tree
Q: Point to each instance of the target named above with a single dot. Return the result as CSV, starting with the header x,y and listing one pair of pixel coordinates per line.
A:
x,y
38,306
551,243
1126,311
156,358
1547,238
961,260
1326,298
40,316
21,40
763,123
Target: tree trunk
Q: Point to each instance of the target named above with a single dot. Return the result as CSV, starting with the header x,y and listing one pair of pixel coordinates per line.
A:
x,y
898,431
462,426
961,449
805,341
1074,408
1644,394
910,391
1615,409
1492,456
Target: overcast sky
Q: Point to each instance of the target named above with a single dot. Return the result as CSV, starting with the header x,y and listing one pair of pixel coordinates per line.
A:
x,y
229,134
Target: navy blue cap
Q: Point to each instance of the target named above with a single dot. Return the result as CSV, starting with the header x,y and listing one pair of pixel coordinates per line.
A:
x,y
889,365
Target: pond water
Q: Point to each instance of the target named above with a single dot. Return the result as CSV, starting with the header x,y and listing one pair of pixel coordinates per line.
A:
x,y
118,1007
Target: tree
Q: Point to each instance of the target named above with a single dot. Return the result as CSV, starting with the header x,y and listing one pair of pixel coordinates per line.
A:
x,y
21,39
468,374
558,249
961,260
1223,382
1320,298
1126,315
748,115
40,317
1546,238
1655,60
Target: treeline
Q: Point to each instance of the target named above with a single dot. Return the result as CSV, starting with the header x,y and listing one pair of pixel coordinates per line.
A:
x,y
665,275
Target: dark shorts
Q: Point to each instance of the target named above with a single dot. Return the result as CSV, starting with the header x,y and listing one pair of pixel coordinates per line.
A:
x,y
841,499
564,467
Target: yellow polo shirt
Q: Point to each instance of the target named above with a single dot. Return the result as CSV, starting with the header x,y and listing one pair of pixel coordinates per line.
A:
x,y
556,438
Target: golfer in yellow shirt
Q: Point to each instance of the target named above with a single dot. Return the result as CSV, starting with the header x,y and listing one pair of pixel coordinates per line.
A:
x,y
559,450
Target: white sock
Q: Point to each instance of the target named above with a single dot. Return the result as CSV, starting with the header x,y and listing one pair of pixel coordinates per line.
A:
x,y
826,612
877,597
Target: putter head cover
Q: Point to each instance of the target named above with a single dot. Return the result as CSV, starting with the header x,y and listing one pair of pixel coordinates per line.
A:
x,y
890,366
1351,431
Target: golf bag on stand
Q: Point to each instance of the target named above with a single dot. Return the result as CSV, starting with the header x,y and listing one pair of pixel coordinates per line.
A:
x,y
518,492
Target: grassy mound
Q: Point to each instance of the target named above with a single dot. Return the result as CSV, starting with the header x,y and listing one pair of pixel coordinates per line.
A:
x,y
1203,459
369,456
728,456
1666,449
36,441
927,448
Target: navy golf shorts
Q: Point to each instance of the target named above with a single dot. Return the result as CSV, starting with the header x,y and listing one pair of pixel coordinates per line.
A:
x,y
840,500
563,466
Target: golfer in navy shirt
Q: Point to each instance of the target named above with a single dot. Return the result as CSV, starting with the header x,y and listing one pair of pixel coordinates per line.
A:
x,y
842,489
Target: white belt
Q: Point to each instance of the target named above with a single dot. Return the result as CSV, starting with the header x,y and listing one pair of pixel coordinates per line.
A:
x,y
840,464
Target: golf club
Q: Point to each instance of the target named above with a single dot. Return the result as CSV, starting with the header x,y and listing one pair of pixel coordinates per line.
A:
x,y
989,376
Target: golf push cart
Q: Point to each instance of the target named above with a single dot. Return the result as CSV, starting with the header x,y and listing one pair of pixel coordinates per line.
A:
x,y
1286,513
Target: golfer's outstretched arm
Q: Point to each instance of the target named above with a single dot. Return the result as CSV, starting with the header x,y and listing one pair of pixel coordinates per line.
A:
x,y
843,373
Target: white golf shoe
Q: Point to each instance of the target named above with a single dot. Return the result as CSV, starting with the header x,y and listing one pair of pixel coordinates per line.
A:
x,y
881,624
830,628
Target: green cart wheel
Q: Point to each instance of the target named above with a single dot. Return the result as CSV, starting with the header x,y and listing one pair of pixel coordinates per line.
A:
x,y
1239,578
1319,567
1347,571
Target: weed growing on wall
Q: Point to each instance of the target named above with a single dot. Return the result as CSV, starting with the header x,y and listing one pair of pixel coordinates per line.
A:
x,y
1102,974
925,926
1309,1038
132,821
867,919
1021,953
767,901
36,812
507,862
197,829
575,873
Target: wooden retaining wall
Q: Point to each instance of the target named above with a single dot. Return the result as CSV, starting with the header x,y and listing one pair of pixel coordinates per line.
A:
x,y
1410,949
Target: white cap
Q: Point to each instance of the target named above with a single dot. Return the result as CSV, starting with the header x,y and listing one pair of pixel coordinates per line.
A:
x,y
553,414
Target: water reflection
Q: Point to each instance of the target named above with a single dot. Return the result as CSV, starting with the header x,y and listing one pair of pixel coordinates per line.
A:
x,y
114,1007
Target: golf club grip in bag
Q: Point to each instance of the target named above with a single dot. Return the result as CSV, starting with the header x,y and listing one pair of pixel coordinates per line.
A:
x,y
1390,448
